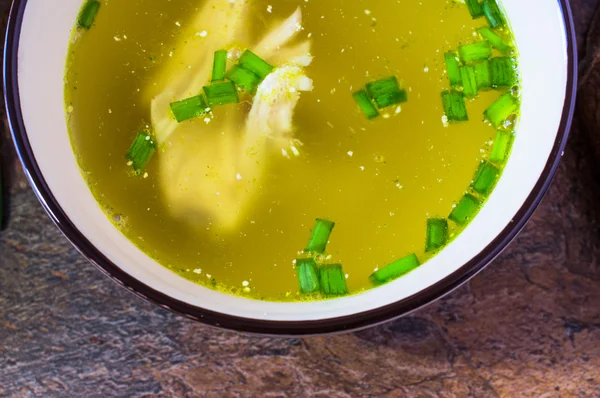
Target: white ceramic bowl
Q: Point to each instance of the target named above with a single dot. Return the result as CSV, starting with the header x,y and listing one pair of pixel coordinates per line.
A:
x,y
34,66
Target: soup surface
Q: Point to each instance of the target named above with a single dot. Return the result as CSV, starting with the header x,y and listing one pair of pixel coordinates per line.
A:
x,y
232,206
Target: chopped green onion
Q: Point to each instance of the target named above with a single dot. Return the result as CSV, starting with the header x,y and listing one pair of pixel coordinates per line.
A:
x,y
141,151
382,86
454,106
437,234
395,269
503,72
243,78
88,14
308,275
221,94
485,178
483,75
492,13
465,209
475,51
501,109
495,39
219,66
501,146
333,280
453,68
385,100
475,8
362,99
189,108
320,236
255,64
386,92
467,75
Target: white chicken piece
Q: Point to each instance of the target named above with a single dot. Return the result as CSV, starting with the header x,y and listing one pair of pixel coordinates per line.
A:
x,y
211,171
274,103
218,24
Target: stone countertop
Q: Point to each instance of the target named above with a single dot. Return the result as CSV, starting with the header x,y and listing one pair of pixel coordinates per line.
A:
x,y
529,325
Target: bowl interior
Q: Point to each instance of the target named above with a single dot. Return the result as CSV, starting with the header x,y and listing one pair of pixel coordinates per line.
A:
x,y
543,64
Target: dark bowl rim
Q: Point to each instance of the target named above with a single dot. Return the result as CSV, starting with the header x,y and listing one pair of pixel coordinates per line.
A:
x,y
283,328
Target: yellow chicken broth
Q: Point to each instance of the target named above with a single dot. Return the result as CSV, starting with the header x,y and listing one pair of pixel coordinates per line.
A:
x,y
378,180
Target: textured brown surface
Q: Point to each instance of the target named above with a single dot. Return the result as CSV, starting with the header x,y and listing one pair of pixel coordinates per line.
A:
x,y
529,325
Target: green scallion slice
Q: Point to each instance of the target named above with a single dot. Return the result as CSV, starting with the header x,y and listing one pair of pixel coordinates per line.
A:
x,y
485,178
366,106
501,146
189,108
454,106
255,64
141,151
308,275
503,72
333,280
465,209
501,109
492,13
483,76
469,83
320,236
475,51
475,8
88,14
219,66
395,269
244,79
386,92
385,100
437,234
495,39
453,68
221,94
382,86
